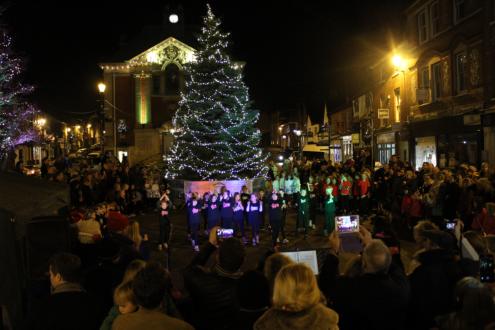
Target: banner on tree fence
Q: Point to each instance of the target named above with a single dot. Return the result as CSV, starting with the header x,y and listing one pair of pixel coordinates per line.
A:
x,y
215,186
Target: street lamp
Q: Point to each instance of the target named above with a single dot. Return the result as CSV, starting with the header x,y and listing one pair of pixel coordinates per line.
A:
x,y
102,87
41,122
101,114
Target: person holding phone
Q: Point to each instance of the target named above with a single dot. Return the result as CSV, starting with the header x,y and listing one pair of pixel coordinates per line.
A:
x,y
254,210
329,211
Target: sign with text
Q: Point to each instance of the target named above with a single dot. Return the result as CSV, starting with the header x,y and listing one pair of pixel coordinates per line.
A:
x,y
383,114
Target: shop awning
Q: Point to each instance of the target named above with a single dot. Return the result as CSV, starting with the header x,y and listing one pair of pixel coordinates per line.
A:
x,y
315,148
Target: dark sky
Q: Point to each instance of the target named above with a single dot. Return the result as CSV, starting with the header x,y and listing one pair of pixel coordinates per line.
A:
x,y
297,52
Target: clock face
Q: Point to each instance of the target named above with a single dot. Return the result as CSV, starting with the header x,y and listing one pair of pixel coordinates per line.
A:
x,y
171,52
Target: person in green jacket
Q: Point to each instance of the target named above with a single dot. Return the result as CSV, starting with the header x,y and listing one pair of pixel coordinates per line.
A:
x,y
303,212
329,212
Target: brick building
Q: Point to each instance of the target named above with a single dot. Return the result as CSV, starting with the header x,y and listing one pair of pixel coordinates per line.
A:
x,y
143,85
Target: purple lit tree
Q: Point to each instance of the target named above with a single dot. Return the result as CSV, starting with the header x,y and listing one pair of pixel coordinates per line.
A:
x,y
16,113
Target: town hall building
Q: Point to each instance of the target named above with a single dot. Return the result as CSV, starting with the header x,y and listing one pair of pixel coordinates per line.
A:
x,y
143,87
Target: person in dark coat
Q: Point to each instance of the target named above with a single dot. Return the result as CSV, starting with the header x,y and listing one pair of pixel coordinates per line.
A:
x,y
254,298
376,297
69,306
214,291
213,212
275,213
433,281
254,210
227,210
238,216
194,217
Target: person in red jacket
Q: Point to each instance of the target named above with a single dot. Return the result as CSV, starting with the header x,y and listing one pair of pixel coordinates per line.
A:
x,y
364,189
411,208
485,221
345,193
117,222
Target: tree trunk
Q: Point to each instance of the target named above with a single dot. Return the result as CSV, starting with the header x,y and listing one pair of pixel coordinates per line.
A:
x,y
7,162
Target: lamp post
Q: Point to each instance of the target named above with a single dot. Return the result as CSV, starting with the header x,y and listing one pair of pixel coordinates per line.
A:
x,y
299,134
101,115
40,123
401,65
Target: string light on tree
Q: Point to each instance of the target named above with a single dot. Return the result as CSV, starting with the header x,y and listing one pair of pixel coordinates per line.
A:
x,y
214,127
16,114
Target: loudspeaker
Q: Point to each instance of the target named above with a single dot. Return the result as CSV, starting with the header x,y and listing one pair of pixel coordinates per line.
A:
x,y
10,279
45,236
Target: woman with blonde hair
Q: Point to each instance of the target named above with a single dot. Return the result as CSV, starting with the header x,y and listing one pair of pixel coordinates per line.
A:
x,y
297,302
123,296
273,264
134,233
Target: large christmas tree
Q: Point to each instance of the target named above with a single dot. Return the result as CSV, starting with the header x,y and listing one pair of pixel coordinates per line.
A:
x,y
215,133
16,114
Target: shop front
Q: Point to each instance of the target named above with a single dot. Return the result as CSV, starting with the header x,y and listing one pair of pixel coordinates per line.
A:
x,y
336,151
347,147
385,145
447,142
425,151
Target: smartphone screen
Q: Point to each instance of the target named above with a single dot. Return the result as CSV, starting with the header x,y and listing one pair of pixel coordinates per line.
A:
x,y
347,224
450,226
486,269
224,233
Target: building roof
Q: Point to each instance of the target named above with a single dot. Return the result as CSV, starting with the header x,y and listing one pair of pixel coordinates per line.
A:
x,y
151,36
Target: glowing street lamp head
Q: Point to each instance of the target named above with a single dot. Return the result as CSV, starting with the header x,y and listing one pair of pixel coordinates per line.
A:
x,y
77,127
41,122
102,87
88,126
399,62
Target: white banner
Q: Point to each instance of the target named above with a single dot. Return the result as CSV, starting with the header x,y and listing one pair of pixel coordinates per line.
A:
x,y
215,186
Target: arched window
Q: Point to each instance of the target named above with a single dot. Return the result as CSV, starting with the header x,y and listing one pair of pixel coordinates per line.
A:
x,y
172,79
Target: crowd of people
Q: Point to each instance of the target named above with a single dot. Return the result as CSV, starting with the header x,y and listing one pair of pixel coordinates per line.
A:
x,y
111,282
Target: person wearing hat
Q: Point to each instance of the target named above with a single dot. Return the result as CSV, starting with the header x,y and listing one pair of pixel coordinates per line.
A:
x,y
434,280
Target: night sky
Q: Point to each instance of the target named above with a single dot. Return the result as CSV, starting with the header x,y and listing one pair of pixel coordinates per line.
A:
x,y
297,52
